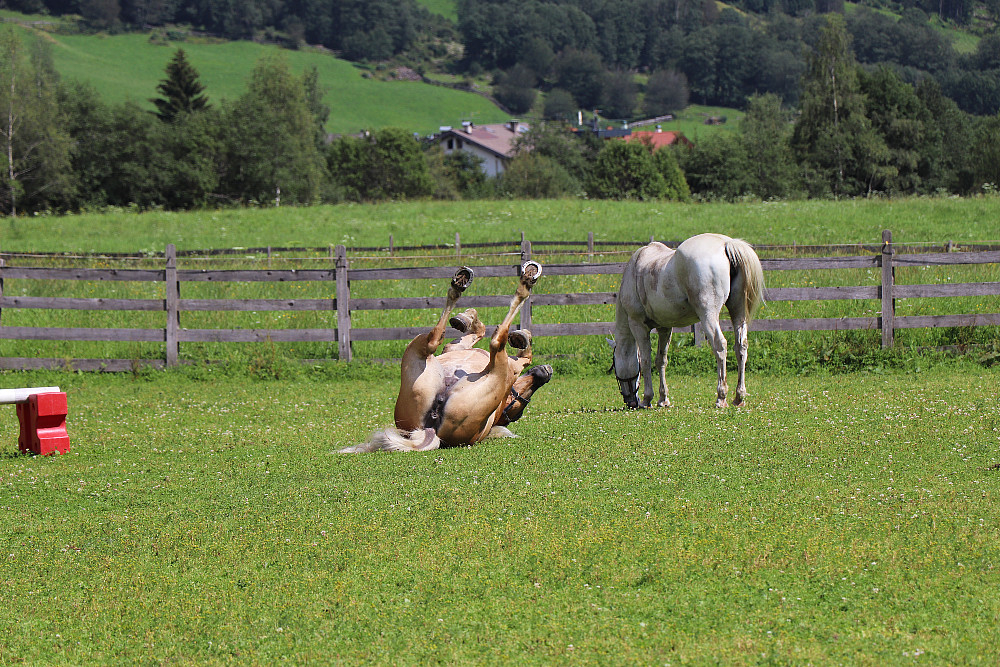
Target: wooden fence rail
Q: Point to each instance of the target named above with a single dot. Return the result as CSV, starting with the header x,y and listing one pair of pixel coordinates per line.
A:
x,y
172,335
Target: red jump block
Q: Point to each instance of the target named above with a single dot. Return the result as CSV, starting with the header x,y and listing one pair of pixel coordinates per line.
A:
x,y
43,424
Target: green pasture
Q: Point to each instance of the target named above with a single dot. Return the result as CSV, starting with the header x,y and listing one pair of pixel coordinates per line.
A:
x,y
201,519
842,225
128,67
912,220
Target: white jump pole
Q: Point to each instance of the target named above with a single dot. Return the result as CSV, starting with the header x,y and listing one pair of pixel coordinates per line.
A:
x,y
21,395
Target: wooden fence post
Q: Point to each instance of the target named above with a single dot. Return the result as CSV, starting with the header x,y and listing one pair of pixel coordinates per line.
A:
x,y
590,245
343,306
1,285
525,322
888,282
458,245
171,304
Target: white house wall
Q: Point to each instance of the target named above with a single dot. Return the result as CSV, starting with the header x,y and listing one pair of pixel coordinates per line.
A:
x,y
491,165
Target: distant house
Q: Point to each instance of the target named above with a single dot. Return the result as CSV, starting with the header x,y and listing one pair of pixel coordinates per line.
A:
x,y
494,144
659,139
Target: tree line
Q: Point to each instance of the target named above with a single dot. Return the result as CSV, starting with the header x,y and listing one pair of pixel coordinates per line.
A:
x,y
855,132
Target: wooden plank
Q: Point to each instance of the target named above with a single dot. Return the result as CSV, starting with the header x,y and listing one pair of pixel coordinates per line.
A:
x,y
430,273
109,365
947,289
252,305
63,303
947,258
819,263
248,276
82,334
922,321
33,273
256,335
811,324
820,293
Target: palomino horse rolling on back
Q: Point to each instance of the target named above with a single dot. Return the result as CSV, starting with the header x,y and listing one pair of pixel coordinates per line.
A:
x,y
464,394
663,288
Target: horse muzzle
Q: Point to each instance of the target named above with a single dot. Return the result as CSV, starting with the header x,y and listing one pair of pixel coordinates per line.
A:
x,y
629,389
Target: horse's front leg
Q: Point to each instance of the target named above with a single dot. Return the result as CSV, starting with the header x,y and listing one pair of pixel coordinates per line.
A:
x,y
663,335
741,361
640,332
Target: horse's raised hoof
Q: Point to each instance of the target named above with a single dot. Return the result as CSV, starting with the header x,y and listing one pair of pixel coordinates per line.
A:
x,y
463,278
530,272
465,322
519,339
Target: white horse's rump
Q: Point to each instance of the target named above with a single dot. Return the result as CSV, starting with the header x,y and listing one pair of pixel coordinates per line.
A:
x,y
663,288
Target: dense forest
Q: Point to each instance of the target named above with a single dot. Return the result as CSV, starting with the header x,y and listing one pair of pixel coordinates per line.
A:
x,y
838,104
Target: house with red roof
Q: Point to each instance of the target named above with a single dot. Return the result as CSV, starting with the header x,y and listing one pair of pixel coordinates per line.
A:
x,y
659,138
493,144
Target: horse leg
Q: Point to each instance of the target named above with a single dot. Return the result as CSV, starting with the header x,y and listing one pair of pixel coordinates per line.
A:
x,y
529,275
663,335
740,329
420,375
640,332
713,332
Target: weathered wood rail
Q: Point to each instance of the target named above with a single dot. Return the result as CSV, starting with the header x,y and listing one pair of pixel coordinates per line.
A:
x,y
173,334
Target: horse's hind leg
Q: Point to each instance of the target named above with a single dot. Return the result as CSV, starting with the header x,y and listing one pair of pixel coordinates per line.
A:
x,y
713,332
740,329
663,335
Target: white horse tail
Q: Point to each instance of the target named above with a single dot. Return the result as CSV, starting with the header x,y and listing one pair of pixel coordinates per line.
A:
x,y
391,439
742,256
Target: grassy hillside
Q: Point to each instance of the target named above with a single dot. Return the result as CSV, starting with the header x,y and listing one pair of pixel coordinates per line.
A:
x,y
129,67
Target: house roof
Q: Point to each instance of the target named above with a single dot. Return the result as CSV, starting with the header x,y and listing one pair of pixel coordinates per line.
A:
x,y
497,139
659,139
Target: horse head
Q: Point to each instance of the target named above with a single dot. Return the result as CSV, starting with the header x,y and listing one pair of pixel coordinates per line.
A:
x,y
629,387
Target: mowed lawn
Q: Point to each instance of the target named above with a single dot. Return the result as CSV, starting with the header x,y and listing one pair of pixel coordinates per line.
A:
x,y
839,519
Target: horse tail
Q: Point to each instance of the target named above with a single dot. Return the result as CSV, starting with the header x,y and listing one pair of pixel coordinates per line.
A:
x,y
391,439
742,256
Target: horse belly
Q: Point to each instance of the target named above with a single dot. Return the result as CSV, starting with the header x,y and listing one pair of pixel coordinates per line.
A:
x,y
671,311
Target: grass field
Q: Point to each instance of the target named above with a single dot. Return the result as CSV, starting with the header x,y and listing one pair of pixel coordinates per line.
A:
x,y
914,220
847,521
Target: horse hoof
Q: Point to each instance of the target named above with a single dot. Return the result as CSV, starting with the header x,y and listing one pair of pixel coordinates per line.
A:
x,y
530,272
463,278
465,322
519,339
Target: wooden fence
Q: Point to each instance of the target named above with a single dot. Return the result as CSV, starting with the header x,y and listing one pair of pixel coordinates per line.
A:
x,y
173,334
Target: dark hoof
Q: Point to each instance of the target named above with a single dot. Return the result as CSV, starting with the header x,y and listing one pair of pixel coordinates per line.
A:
x,y
465,322
530,272
542,374
519,339
463,278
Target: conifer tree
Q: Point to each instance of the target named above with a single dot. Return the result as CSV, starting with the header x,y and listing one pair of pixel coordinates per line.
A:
x,y
181,90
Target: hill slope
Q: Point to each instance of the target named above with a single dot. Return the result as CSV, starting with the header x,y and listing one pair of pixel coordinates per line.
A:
x,y
129,67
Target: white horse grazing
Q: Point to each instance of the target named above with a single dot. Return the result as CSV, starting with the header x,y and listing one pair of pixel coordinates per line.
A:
x,y
663,288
